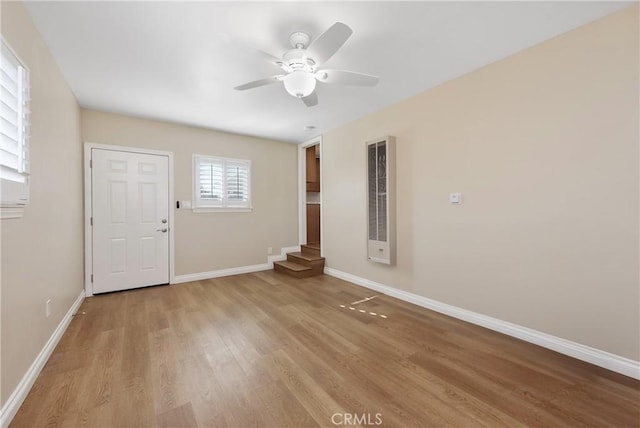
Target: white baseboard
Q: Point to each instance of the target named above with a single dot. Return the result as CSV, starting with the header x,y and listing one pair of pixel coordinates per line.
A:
x,y
236,270
14,402
591,355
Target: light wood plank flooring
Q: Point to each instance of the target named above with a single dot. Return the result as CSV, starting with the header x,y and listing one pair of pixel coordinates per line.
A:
x,y
265,349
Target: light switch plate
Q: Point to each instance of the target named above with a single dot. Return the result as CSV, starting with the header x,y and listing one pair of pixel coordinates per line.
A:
x,y
455,198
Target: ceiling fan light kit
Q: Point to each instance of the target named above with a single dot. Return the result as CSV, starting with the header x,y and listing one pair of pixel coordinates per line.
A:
x,y
299,83
300,65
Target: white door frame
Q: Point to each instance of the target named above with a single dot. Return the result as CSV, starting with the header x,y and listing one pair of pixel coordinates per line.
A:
x,y
88,238
302,191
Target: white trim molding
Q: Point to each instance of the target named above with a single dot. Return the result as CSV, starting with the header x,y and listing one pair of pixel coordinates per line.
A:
x,y
237,270
11,211
607,360
12,405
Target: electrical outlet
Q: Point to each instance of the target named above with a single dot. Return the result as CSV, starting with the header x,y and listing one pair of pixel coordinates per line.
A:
x,y
270,250
47,308
455,198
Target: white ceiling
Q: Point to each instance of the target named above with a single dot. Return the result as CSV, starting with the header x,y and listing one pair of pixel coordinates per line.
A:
x,y
179,61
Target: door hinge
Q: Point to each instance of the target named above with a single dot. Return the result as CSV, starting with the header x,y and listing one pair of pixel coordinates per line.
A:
x,y
91,277
91,221
90,163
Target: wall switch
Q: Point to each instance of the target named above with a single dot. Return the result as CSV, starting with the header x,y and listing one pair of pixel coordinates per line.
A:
x,y
185,205
47,308
455,198
270,250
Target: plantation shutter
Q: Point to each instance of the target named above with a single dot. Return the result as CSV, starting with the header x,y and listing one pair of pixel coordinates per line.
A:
x,y
210,182
237,183
14,128
222,184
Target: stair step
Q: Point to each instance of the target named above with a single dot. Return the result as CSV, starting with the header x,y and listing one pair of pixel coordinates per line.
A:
x,y
296,267
311,249
306,257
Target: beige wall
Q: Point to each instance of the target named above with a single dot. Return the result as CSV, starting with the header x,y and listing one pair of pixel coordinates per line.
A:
x,y
211,241
544,147
42,253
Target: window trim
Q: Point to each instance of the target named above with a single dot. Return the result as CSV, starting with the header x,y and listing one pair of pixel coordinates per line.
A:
x,y
14,207
223,208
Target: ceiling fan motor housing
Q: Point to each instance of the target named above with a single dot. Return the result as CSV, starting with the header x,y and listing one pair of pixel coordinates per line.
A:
x,y
294,59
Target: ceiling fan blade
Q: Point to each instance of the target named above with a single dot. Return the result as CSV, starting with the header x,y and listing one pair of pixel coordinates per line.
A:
x,y
346,78
310,100
264,55
328,43
250,50
260,82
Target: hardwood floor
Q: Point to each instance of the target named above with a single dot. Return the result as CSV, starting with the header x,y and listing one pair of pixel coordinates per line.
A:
x,y
265,349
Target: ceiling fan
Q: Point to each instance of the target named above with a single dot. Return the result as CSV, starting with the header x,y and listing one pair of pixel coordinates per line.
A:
x,y
301,63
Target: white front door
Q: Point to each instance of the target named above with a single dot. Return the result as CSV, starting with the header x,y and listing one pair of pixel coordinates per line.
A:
x,y
130,214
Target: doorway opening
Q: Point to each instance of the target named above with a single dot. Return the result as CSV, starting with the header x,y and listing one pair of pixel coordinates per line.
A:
x,y
312,164
311,195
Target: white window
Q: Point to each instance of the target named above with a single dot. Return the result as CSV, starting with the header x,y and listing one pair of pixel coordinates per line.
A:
x,y
14,134
221,184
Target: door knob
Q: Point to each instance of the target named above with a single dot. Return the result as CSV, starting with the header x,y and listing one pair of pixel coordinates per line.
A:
x,y
162,230
164,220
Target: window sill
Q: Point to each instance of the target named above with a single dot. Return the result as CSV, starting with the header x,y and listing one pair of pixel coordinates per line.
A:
x,y
222,210
11,211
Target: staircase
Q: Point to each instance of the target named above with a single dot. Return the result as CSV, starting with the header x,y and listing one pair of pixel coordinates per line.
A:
x,y
302,264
